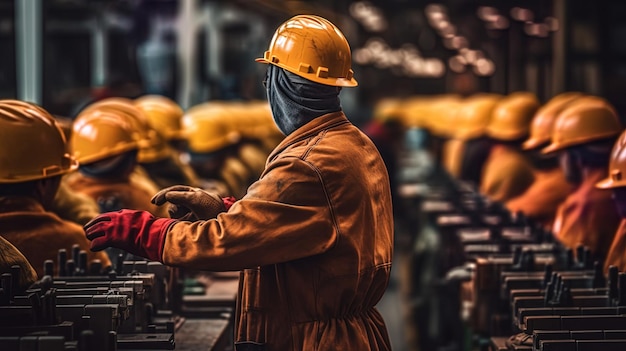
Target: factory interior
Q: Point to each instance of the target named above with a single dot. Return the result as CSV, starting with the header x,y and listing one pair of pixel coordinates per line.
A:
x,y
261,175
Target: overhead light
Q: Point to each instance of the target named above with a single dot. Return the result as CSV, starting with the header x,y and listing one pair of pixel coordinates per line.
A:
x,y
484,67
457,64
368,15
521,14
487,13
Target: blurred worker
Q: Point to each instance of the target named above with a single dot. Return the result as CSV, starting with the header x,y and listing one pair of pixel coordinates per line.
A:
x,y
29,179
583,135
616,182
550,188
151,148
72,206
472,119
106,144
10,256
315,263
438,118
213,146
386,132
67,204
165,117
507,173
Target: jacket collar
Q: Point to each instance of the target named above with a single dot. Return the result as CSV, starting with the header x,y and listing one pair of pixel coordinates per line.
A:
x,y
19,203
310,129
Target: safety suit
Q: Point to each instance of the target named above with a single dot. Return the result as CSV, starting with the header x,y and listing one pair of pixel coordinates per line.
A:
x,y
541,200
126,192
617,252
39,234
588,217
506,174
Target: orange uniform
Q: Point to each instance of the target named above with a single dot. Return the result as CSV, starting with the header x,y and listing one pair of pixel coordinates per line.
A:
x,y
617,252
39,234
588,217
541,200
506,174
127,191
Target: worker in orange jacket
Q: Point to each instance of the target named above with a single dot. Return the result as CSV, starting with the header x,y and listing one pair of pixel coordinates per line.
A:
x,y
29,179
583,135
550,188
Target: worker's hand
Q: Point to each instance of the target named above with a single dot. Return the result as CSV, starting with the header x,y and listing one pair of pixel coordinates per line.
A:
x,y
137,232
189,203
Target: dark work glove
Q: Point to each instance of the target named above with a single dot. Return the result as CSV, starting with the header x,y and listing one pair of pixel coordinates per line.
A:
x,y
137,232
192,204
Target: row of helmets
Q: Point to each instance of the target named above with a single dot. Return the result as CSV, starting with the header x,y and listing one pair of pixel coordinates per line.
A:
x,y
214,125
114,125
511,117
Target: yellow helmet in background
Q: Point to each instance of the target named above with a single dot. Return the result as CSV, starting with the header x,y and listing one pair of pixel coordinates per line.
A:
x,y
512,116
474,115
42,151
313,48
441,113
542,123
388,109
617,166
589,119
156,147
414,111
208,129
163,114
101,134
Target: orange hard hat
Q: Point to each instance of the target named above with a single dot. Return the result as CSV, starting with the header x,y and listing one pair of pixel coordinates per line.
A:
x,y
589,119
313,48
35,146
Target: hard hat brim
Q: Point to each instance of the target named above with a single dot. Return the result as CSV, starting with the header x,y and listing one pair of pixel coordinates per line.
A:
x,y
533,143
609,183
337,82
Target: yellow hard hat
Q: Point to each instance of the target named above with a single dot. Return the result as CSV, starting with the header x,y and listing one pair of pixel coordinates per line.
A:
x,y
441,113
542,123
35,146
208,129
588,119
388,109
102,134
414,111
313,48
156,147
617,166
512,116
474,115
163,114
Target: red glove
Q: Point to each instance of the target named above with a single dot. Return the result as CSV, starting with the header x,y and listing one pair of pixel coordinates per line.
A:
x,y
228,201
137,232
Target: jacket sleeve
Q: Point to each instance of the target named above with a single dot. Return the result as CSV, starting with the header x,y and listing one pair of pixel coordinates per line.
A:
x,y
286,215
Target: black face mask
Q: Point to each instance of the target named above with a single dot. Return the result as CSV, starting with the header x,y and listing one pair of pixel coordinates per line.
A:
x,y
111,167
295,101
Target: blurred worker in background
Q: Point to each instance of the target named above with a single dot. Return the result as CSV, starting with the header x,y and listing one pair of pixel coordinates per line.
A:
x,y
313,235
213,146
550,188
29,179
616,183
386,132
106,142
507,173
583,135
165,117
472,119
